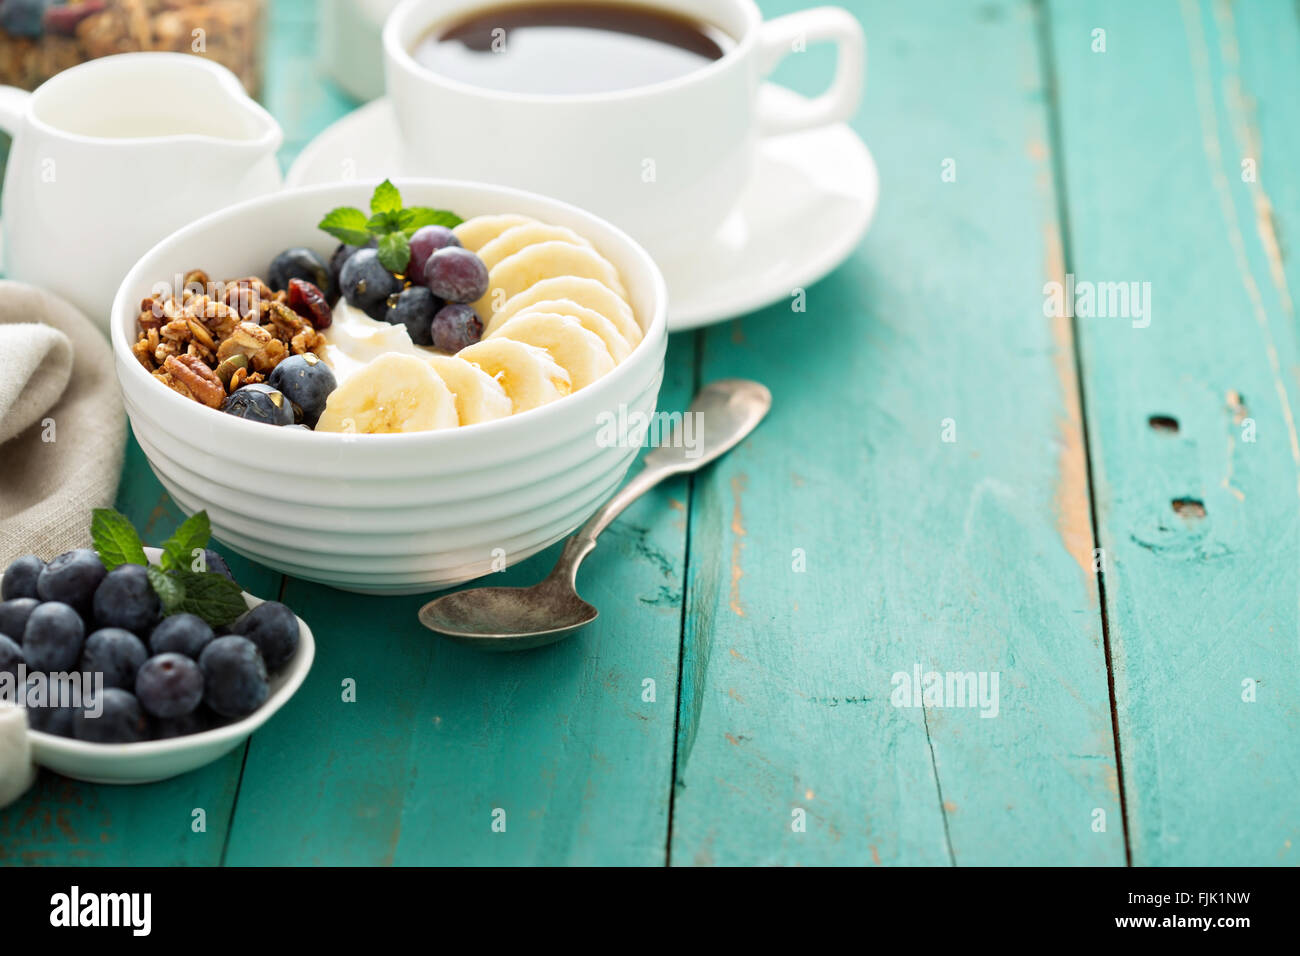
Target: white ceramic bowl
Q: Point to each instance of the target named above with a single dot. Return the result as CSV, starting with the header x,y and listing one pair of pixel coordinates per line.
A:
x,y
386,514
153,760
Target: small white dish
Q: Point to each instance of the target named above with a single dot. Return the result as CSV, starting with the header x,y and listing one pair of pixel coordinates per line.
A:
x,y
153,760
807,208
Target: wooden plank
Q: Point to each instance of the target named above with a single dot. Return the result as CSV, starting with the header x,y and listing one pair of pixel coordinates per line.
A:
x,y
966,556
441,736
1155,135
65,822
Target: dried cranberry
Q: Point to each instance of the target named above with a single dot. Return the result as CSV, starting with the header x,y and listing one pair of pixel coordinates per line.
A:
x,y
309,302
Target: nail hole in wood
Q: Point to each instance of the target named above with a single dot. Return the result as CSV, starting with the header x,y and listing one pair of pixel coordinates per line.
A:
x,y
1188,508
1163,423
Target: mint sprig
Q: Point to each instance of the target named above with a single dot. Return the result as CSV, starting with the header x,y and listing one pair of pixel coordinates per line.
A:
x,y
388,222
212,596
191,536
115,538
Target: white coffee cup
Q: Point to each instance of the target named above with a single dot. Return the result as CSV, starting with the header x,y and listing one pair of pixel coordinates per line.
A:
x,y
662,161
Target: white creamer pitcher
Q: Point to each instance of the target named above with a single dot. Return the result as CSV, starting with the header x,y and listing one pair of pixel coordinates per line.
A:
x,y
112,155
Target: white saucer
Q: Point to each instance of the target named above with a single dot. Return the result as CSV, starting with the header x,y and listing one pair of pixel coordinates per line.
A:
x,y
805,212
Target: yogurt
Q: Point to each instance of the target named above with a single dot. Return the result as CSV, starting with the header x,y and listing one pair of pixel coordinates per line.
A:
x,y
353,339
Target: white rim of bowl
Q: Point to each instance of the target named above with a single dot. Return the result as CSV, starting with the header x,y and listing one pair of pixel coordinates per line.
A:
x,y
124,312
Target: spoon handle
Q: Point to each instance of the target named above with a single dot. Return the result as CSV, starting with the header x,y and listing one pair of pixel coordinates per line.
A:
x,y
719,418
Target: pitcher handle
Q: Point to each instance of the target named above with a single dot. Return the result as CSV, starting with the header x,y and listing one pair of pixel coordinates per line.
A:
x,y
13,107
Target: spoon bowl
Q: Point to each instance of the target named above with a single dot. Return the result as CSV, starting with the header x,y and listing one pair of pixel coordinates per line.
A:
x,y
509,619
516,619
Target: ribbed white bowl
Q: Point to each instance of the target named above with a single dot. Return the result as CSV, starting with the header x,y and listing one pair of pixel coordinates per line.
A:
x,y
388,514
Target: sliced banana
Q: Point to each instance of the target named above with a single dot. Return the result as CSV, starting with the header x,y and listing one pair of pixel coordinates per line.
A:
x,y
479,397
585,292
590,319
529,234
527,373
392,393
479,231
580,353
546,260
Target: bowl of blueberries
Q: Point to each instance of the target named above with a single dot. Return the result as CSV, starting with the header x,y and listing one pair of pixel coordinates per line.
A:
x,y
137,664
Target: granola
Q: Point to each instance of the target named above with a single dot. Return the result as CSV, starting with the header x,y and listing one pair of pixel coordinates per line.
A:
x,y
227,31
218,337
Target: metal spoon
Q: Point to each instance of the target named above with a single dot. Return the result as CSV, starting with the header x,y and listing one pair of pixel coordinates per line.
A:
x,y
515,619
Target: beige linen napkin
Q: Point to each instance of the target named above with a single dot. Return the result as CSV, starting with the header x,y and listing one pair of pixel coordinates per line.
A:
x,y
62,428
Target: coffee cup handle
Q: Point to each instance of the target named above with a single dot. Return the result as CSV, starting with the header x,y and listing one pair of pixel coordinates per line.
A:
x,y
783,36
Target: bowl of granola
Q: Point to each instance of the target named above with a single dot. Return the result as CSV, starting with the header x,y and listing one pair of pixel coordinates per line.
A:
x,y
392,389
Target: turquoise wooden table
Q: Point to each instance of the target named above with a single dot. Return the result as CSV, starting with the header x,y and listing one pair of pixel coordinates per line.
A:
x,y
1099,505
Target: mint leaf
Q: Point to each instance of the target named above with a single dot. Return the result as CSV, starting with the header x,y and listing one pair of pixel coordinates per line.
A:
x,y
169,590
386,198
115,539
394,252
213,597
346,224
386,219
178,550
383,222
417,217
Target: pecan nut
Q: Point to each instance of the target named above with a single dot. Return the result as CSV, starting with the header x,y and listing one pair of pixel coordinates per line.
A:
x,y
201,382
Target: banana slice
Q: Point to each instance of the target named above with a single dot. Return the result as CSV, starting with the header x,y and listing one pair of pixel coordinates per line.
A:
x,y
527,373
479,397
479,231
519,237
580,353
591,320
585,292
392,393
546,260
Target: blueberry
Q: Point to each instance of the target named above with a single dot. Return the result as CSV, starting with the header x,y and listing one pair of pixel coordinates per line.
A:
x,y
72,578
126,599
14,614
195,722
341,255
366,284
52,638
20,578
44,712
11,655
259,403
456,327
234,676
456,275
22,18
274,629
113,717
415,308
217,564
115,653
307,382
298,263
425,241
169,685
181,633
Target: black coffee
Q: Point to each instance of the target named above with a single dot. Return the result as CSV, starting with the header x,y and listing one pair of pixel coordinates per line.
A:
x,y
569,48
